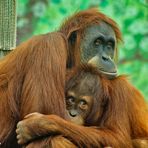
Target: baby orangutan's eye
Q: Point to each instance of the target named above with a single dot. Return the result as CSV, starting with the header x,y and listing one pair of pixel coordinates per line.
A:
x,y
70,99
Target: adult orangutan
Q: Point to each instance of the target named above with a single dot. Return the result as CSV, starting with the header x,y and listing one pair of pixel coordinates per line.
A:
x,y
17,81
32,78
116,113
21,75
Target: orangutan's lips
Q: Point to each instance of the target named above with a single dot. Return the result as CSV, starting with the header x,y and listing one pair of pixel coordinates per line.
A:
x,y
109,73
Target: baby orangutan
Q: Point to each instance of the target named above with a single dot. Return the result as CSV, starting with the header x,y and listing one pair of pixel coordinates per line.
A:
x,y
100,111
79,101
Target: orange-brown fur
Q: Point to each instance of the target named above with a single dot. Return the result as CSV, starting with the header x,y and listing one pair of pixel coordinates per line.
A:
x,y
52,142
36,69
125,116
127,110
32,78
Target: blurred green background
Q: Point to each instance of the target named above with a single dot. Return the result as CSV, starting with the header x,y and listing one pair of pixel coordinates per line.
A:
x,y
41,16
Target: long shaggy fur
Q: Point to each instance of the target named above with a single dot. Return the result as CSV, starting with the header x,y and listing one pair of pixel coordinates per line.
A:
x,y
124,116
32,79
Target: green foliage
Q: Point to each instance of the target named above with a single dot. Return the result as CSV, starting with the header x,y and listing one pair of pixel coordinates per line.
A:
x,y
132,17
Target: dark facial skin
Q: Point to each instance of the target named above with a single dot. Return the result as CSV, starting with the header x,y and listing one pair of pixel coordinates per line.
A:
x,y
99,44
78,107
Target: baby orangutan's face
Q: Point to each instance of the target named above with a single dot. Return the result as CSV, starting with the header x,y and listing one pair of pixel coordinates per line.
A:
x,y
78,107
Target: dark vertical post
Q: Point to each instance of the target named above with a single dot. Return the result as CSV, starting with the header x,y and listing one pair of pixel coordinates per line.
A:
x,y
7,26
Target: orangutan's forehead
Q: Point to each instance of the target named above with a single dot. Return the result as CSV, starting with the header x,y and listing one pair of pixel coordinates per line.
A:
x,y
102,28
